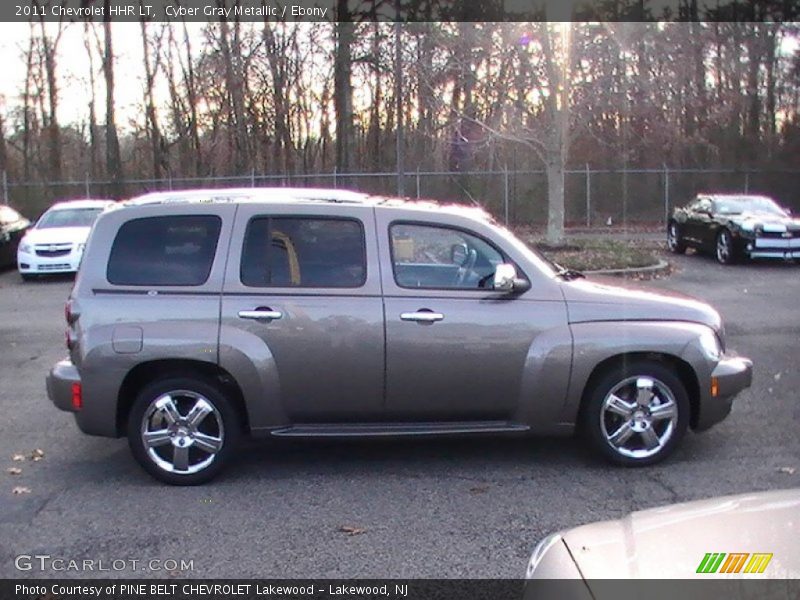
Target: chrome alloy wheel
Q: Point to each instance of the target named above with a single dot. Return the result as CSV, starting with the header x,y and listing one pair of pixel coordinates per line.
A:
x,y
672,237
639,416
182,432
724,247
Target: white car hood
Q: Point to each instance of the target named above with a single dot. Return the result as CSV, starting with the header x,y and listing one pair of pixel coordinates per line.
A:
x,y
58,235
670,542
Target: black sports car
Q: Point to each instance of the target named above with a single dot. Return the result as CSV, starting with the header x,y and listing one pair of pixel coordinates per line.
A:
x,y
735,227
12,227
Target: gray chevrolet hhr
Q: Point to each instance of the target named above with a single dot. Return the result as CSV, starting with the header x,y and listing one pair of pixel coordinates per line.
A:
x,y
200,316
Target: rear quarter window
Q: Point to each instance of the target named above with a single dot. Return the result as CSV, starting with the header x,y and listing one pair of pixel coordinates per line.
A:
x,y
172,250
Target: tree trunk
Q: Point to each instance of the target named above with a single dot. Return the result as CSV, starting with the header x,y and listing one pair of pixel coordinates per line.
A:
x,y
49,48
234,80
157,143
555,200
343,88
113,159
93,142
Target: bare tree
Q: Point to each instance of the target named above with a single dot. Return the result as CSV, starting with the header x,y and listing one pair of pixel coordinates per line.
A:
x,y
113,158
152,65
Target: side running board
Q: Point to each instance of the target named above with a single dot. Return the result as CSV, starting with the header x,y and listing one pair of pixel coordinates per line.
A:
x,y
344,430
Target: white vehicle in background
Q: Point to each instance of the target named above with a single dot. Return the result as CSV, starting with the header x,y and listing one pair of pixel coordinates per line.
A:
x,y
55,243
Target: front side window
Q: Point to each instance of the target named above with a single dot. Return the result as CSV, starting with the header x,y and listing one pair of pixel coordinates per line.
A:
x,y
69,217
434,257
175,250
304,252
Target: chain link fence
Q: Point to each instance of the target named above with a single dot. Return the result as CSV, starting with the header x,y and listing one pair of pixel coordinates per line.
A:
x,y
593,197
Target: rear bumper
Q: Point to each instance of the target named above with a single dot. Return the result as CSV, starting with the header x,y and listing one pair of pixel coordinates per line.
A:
x,y
729,377
93,417
59,384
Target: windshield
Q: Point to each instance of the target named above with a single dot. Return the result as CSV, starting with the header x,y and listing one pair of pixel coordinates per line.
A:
x,y
534,256
740,204
69,217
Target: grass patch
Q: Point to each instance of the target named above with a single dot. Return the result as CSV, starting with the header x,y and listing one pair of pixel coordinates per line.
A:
x,y
598,254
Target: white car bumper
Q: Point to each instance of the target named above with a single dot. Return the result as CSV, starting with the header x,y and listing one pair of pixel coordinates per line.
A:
x,y
50,258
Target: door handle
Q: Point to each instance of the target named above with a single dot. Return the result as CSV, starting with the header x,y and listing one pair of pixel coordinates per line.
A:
x,y
422,316
261,314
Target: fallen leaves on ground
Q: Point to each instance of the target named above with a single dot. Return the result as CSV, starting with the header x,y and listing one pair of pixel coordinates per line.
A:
x,y
13,470
350,530
778,376
37,455
787,470
18,457
479,489
21,489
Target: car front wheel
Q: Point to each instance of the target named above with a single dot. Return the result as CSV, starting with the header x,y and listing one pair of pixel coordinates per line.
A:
x,y
675,239
726,253
636,414
182,430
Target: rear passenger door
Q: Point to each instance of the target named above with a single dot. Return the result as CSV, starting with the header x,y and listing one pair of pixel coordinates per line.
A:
x,y
302,300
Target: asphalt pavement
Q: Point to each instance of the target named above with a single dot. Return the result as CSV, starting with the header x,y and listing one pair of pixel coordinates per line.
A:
x,y
419,508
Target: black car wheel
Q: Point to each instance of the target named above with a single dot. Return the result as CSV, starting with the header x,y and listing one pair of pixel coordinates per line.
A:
x,y
182,430
675,239
636,414
726,253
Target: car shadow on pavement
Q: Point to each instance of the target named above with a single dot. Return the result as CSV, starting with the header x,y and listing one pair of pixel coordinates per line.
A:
x,y
285,459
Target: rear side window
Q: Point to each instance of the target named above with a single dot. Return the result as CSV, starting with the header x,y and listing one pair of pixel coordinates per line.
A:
x,y
304,252
176,250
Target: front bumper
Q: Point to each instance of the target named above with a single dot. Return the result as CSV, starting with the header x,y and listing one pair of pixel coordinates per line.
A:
x,y
771,247
59,384
731,375
30,263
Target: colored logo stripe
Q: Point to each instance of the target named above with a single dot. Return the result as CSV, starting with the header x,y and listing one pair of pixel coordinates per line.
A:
x,y
734,562
758,563
713,562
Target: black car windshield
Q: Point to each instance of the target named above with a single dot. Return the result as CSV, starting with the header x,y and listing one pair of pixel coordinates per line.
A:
x,y
739,204
68,217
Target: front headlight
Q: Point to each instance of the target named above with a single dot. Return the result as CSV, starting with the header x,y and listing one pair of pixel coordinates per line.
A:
x,y
709,342
25,248
540,551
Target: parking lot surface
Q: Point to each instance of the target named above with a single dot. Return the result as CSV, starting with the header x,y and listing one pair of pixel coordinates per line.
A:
x,y
420,508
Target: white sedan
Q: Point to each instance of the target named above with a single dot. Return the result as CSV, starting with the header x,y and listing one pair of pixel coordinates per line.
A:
x,y
55,243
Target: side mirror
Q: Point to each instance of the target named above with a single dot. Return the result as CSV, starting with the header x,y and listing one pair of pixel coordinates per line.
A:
x,y
506,280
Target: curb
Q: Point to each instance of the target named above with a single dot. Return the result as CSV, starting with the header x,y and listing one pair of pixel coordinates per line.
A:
x,y
660,266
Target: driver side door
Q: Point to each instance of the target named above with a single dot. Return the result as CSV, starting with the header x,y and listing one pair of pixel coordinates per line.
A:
x,y
698,220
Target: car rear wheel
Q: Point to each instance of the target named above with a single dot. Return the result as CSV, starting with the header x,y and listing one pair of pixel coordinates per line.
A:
x,y
636,414
675,239
182,430
726,253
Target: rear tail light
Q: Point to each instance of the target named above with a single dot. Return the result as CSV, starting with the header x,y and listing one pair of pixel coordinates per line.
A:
x,y
69,316
77,396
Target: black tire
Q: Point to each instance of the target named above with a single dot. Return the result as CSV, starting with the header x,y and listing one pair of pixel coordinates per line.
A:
x,y
729,256
221,425
675,240
599,422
